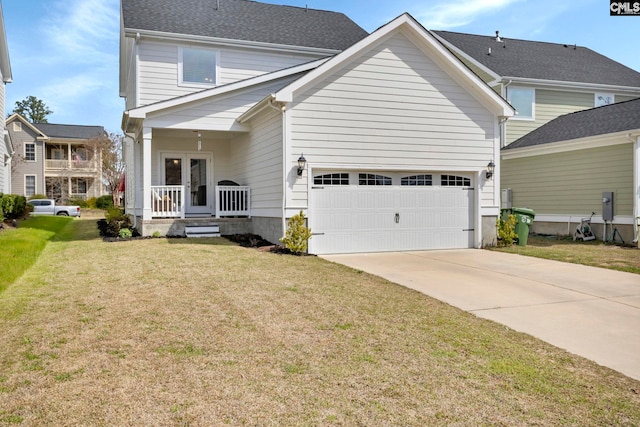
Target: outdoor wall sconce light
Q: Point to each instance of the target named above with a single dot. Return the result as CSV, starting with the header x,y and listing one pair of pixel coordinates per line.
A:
x,y
491,167
301,163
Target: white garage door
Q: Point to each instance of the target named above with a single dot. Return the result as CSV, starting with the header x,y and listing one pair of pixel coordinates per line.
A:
x,y
390,212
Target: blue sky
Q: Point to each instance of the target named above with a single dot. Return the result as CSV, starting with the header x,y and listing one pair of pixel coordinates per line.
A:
x,y
65,52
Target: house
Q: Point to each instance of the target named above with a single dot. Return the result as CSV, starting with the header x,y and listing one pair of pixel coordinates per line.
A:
x,y
6,148
385,141
562,169
543,80
61,161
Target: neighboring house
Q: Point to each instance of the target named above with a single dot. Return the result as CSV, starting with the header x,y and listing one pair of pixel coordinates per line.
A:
x,y
61,161
561,169
396,133
543,80
6,148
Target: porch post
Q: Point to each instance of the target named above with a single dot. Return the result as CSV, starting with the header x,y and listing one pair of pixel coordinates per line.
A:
x,y
146,174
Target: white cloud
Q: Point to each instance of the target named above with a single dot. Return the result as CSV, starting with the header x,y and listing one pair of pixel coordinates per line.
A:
x,y
450,15
83,29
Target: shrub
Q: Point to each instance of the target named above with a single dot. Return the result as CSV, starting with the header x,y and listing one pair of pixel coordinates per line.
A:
x,y
104,202
77,202
116,221
125,233
298,234
92,203
13,206
38,196
506,231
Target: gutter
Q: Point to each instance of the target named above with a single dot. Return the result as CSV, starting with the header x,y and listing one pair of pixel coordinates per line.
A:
x,y
188,38
574,85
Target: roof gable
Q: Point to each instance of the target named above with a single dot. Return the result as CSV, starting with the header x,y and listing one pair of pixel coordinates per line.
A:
x,y
608,119
243,20
427,43
542,61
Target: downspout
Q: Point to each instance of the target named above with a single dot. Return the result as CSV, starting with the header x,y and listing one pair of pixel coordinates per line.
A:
x,y
282,108
635,139
503,128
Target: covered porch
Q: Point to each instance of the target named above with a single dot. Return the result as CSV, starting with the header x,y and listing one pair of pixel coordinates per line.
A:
x,y
184,174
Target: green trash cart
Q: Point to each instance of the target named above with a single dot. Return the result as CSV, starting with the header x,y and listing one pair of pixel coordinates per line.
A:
x,y
524,219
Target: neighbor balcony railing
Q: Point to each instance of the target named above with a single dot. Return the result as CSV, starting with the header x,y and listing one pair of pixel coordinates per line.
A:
x,y
70,164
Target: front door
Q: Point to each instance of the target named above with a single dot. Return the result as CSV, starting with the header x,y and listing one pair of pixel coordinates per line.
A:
x,y
193,171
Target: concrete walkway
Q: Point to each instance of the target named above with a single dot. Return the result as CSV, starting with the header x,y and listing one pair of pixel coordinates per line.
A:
x,y
589,311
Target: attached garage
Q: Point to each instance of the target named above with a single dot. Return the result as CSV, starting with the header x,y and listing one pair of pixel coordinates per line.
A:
x,y
390,211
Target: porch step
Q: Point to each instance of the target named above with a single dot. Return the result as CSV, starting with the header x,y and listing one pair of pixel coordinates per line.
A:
x,y
204,230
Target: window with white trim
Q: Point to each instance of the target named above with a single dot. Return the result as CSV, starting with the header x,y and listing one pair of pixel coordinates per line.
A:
x,y
198,66
29,185
603,99
57,153
30,152
416,180
454,181
372,179
331,179
79,186
523,100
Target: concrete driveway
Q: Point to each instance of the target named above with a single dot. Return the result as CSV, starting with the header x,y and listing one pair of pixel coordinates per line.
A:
x,y
589,311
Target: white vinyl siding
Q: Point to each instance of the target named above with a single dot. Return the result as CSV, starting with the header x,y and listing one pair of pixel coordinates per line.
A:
x,y
392,107
159,71
572,183
220,113
257,160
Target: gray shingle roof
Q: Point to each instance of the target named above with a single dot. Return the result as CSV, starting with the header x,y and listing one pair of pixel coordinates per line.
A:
x,y
244,20
69,131
620,117
540,60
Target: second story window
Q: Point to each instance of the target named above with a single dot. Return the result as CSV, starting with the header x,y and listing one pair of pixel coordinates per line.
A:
x,y
523,100
30,152
198,66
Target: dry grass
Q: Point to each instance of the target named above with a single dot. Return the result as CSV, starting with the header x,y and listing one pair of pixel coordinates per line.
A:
x,y
594,253
182,332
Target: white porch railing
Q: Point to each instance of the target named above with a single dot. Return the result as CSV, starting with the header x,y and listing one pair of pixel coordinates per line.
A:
x,y
70,164
167,201
233,201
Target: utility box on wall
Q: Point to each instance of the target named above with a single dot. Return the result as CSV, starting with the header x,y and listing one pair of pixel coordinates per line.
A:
x,y
607,205
506,201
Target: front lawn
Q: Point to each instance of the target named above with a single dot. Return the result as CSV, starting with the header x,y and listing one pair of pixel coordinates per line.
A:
x,y
204,332
20,247
594,253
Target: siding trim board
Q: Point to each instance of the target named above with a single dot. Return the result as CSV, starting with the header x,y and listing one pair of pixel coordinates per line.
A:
x,y
596,141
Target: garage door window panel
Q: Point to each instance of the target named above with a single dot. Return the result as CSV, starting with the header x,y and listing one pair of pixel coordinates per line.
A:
x,y
417,180
332,179
454,181
372,179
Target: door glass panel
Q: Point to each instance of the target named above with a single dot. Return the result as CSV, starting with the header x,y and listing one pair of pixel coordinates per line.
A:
x,y
173,172
198,182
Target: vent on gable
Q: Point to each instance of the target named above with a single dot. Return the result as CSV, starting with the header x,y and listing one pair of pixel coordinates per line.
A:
x,y
17,126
